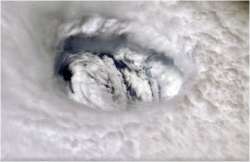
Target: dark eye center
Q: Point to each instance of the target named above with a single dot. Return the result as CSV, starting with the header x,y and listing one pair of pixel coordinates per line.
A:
x,y
107,71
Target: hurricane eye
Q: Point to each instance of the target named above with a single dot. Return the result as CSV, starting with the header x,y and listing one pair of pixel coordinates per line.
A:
x,y
107,72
